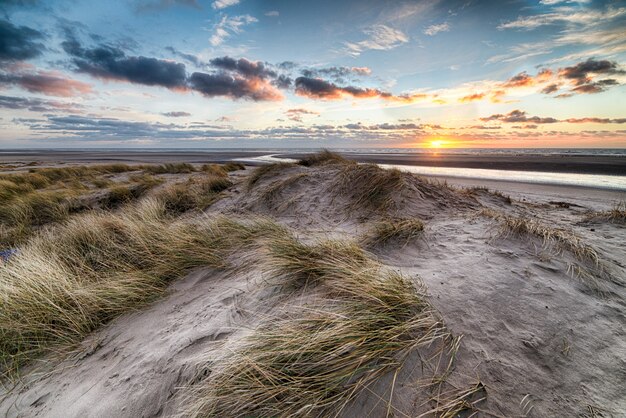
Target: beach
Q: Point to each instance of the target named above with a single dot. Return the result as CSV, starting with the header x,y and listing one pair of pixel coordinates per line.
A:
x,y
395,292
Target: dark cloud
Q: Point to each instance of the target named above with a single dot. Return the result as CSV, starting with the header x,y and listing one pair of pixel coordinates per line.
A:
x,y
580,73
108,62
233,86
19,43
187,57
49,83
244,67
322,89
176,114
517,116
595,86
297,113
282,82
36,105
317,88
551,88
337,74
595,120
157,5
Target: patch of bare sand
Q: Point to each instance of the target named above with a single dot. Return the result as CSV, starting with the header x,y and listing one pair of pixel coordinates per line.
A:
x,y
536,340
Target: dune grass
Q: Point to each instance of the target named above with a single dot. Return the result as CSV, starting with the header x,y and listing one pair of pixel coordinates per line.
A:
x,y
196,193
616,215
67,281
319,356
393,230
169,168
324,157
265,170
558,239
369,186
271,195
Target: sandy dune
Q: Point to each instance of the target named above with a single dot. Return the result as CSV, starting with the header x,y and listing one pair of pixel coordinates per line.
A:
x,y
536,339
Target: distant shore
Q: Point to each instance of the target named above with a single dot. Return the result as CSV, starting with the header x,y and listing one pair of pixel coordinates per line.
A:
x,y
581,164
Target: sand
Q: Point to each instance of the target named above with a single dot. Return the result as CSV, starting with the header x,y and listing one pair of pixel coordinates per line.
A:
x,y
542,342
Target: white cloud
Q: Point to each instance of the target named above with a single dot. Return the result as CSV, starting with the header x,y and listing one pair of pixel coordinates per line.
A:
x,y
553,2
565,15
435,29
228,26
222,4
381,37
272,13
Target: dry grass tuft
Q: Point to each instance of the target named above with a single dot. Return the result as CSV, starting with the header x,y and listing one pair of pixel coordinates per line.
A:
x,y
232,166
264,171
170,168
369,186
397,230
196,193
617,215
557,238
324,157
454,403
67,281
271,195
318,357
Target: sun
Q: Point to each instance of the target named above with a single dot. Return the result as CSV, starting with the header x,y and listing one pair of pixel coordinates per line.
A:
x,y
437,143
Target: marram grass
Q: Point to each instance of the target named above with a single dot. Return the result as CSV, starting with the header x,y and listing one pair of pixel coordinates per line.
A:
x,y
69,280
315,359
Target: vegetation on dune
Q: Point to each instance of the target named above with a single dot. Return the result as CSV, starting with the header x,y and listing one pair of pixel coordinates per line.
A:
x,y
169,168
69,280
557,238
616,215
196,193
393,230
324,157
318,357
369,186
265,170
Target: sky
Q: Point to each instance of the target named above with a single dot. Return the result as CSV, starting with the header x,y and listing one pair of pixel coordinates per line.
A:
x,y
325,73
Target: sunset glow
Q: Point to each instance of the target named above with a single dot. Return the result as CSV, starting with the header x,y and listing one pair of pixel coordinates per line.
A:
x,y
243,73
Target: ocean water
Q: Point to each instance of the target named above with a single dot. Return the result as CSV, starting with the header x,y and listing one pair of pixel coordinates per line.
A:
x,y
612,182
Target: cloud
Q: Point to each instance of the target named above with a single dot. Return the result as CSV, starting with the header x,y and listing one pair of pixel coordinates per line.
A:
x,y
380,37
243,66
517,116
37,105
472,97
551,88
50,83
338,74
19,43
524,80
222,4
228,26
585,17
110,63
595,120
317,88
157,5
296,114
553,2
432,30
580,73
195,60
176,114
234,86
272,13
